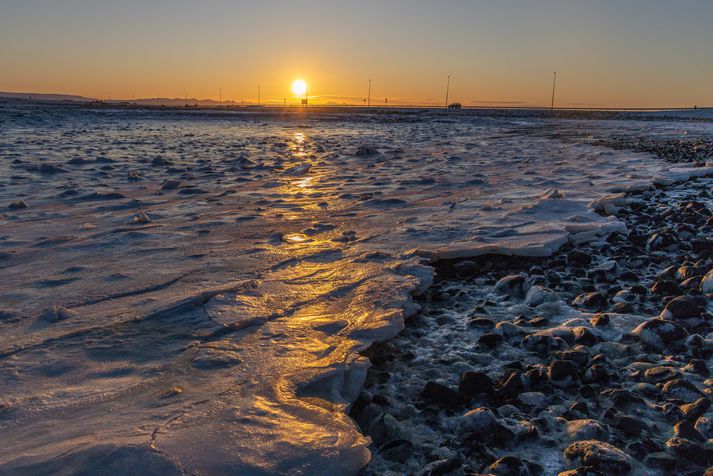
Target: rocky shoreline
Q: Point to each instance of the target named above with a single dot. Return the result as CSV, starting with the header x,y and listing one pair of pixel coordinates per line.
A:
x,y
595,360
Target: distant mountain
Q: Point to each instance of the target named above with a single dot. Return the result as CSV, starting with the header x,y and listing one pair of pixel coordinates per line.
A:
x,y
172,102
45,97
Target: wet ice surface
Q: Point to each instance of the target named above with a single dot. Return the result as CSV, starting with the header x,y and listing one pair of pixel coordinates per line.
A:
x,y
188,292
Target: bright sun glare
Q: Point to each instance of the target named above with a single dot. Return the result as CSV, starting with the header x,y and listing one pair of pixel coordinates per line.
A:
x,y
299,87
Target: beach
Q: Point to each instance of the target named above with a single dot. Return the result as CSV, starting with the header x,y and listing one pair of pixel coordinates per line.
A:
x,y
204,292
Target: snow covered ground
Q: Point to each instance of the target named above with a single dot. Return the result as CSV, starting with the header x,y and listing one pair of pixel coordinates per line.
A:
x,y
188,292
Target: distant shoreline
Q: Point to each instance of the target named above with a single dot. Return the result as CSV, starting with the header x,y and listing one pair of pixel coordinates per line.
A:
x,y
208,104
702,114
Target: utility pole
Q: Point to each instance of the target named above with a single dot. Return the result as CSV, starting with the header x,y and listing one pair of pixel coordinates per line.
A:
x,y
368,101
284,102
157,100
185,98
258,94
220,97
448,89
554,83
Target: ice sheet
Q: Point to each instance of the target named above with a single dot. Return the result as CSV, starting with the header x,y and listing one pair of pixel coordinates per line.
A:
x,y
191,290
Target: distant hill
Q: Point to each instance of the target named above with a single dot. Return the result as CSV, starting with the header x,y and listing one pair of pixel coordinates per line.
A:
x,y
45,97
173,102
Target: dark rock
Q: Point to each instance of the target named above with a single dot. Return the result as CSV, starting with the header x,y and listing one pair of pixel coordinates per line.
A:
x,y
170,184
579,258
17,205
563,370
659,333
629,425
661,241
480,426
585,429
513,285
692,411
697,366
638,290
475,383
692,283
623,399
689,450
603,457
443,396
622,308
684,307
584,336
600,320
686,272
685,429
666,288
595,301
543,343
465,268
491,340
512,385
579,407
577,356
509,466
681,389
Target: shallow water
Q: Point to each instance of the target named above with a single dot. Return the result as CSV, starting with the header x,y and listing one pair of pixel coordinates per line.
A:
x,y
221,336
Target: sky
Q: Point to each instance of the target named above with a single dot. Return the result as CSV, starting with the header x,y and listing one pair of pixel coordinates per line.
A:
x,y
607,53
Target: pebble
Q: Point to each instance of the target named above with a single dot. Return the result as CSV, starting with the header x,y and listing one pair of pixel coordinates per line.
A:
x,y
659,333
17,205
615,382
585,429
512,285
683,307
476,383
595,301
442,395
602,456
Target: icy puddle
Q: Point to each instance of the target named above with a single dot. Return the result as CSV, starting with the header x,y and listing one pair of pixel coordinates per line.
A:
x,y
185,291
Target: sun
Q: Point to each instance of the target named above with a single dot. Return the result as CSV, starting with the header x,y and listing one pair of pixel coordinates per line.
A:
x,y
299,87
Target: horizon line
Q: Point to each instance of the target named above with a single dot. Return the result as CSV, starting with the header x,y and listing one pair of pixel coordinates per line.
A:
x,y
295,103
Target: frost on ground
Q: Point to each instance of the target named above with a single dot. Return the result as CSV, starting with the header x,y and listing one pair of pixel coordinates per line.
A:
x,y
188,292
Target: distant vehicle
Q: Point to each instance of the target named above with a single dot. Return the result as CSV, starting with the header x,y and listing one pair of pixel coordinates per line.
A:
x,y
455,105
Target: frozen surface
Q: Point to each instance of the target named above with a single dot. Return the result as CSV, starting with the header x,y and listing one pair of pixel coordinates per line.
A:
x,y
188,292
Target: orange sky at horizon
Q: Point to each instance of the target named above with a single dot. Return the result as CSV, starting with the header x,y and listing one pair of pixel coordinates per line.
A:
x,y
642,54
